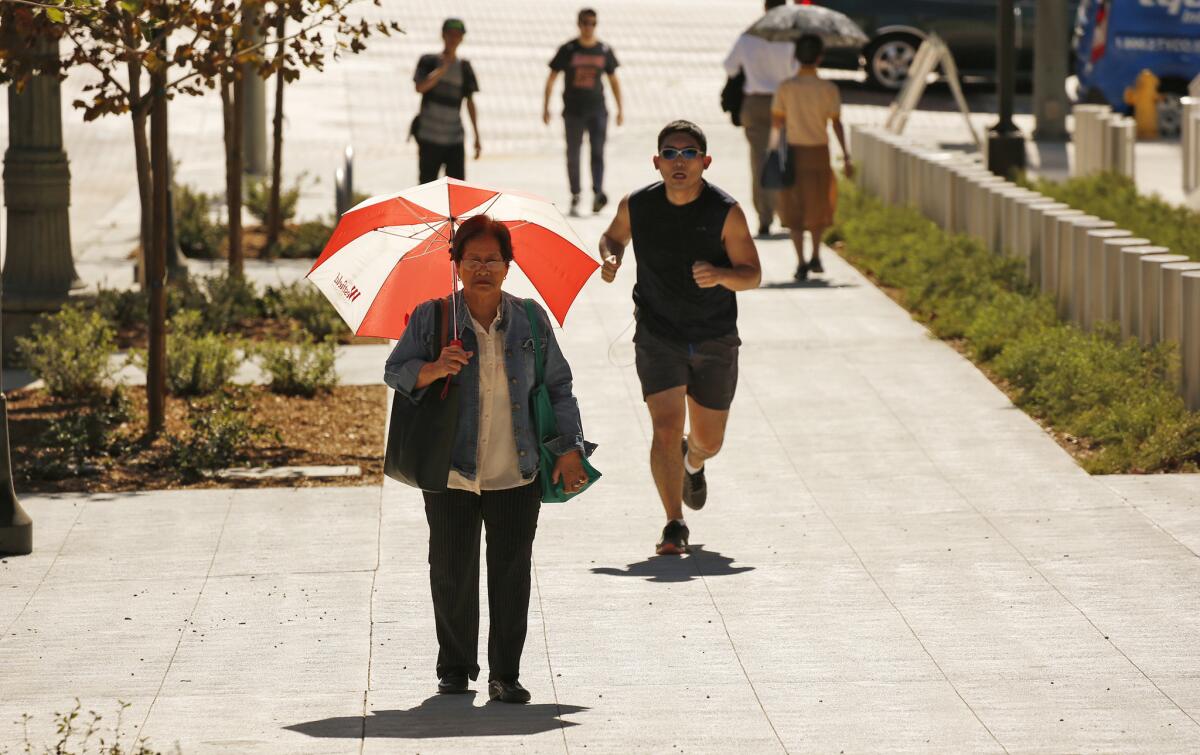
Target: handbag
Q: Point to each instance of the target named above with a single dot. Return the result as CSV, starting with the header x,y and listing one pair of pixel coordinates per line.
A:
x,y
545,426
778,171
421,435
732,96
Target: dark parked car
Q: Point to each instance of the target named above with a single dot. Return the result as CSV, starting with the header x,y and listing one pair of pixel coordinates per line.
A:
x,y
896,28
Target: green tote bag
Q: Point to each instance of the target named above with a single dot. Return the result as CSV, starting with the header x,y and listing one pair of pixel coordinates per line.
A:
x,y
544,423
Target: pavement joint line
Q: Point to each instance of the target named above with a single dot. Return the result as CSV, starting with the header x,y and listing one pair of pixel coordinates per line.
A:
x,y
1146,516
371,619
260,574
537,585
45,574
191,615
733,646
824,512
966,499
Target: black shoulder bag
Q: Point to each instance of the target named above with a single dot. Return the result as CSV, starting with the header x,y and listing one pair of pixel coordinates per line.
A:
x,y
421,435
732,95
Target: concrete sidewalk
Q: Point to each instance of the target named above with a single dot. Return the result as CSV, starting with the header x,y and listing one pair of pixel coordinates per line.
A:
x,y
893,558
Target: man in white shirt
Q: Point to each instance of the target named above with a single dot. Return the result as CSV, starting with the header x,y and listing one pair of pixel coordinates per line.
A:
x,y
766,65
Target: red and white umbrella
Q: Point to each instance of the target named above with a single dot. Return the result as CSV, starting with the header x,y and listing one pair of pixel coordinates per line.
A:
x,y
391,252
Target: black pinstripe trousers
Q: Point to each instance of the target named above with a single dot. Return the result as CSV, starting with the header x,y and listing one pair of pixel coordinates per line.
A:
x,y
454,525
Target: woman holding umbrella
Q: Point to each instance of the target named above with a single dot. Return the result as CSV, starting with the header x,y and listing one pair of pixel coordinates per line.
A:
x,y
494,460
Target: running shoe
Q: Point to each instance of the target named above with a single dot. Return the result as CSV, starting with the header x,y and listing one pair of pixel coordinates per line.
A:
x,y
815,266
674,540
801,272
695,488
599,201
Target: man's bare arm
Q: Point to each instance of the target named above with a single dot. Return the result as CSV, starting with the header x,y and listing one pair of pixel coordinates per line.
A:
x,y
744,272
614,240
616,90
546,97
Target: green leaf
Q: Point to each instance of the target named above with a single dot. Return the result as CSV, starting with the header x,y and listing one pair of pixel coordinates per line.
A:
x,y
56,15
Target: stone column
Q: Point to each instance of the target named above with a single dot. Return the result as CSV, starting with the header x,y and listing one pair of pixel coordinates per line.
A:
x,y
1051,45
39,271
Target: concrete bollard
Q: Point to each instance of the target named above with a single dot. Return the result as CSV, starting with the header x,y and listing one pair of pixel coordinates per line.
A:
x,y
1131,287
994,215
1150,282
1072,267
1094,272
1050,243
1011,243
1170,301
1110,300
1190,352
979,225
1031,234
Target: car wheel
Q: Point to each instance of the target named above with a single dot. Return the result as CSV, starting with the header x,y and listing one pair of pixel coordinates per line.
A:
x,y
1170,115
889,58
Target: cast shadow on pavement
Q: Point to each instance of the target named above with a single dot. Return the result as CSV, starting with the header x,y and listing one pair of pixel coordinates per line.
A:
x,y
698,563
444,716
814,283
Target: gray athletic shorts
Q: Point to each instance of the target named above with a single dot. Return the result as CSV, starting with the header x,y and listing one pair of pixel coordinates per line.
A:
x,y
709,368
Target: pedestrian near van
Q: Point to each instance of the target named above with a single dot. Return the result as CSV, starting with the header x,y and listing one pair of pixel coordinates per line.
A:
x,y
493,477
585,61
803,109
694,252
444,82
764,65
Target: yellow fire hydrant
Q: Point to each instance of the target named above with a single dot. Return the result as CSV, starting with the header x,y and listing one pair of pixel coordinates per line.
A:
x,y
1144,98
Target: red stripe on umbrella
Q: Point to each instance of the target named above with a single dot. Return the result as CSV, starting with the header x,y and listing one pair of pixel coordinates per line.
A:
x,y
555,267
424,270
397,211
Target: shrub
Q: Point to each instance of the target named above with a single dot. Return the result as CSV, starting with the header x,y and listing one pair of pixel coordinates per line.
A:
x,y
124,309
301,368
221,431
71,441
1116,396
71,732
198,363
304,240
196,232
1115,197
71,352
228,300
302,302
256,197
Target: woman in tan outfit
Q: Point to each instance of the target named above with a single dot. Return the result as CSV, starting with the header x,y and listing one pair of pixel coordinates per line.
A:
x,y
804,105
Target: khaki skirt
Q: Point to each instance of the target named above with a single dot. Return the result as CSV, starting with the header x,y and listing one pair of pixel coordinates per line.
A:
x,y
811,199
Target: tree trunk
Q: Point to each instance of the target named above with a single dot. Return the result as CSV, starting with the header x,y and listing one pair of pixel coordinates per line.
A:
x,y
156,259
274,217
141,152
231,102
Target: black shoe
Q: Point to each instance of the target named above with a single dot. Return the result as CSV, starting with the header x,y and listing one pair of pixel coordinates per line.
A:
x,y
815,266
599,201
695,488
674,539
801,272
507,692
453,683
764,232
574,212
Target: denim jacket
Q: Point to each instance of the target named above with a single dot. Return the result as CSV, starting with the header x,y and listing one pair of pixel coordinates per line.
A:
x,y
416,348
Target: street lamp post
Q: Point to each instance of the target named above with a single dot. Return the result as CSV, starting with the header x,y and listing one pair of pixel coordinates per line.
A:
x,y
1006,144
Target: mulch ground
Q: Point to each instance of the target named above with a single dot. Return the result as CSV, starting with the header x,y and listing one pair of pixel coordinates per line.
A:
x,y
342,427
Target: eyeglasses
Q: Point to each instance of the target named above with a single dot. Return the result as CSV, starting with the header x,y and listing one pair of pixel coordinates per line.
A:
x,y
474,266
687,153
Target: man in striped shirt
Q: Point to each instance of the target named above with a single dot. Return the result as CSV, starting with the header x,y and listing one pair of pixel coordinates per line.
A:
x,y
444,81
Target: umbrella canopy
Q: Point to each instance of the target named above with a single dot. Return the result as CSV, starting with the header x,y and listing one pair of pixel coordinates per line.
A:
x,y
390,253
787,23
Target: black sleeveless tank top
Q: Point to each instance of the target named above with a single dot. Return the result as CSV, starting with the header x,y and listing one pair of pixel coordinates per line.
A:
x,y
667,240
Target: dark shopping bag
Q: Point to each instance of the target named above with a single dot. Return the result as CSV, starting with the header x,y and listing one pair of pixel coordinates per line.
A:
x,y
545,426
421,434
778,172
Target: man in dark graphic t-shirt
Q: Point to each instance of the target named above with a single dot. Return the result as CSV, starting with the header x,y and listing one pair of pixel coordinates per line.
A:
x,y
444,81
585,60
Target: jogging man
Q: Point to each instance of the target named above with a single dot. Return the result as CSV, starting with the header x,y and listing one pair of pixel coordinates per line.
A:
x,y
444,81
585,60
693,250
